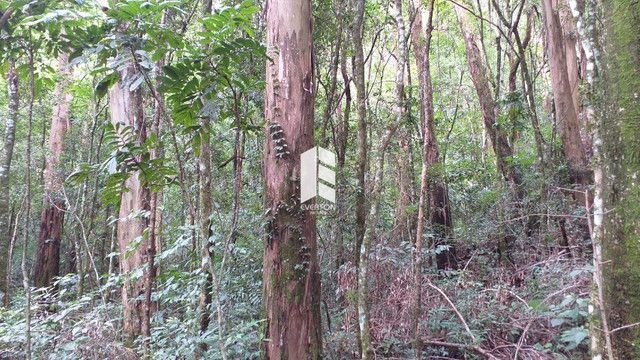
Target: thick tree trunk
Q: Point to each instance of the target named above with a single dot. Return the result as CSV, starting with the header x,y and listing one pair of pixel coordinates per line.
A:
x,y
47,263
126,108
616,204
290,269
566,112
5,168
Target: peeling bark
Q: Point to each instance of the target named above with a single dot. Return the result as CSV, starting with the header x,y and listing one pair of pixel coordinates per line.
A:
x,y
47,263
126,108
567,115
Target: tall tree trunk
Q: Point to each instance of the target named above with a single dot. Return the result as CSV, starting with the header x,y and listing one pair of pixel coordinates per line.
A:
x,y
361,111
616,204
5,168
341,135
499,142
566,113
205,207
126,108
374,194
341,138
206,210
438,194
290,269
47,263
361,114
404,180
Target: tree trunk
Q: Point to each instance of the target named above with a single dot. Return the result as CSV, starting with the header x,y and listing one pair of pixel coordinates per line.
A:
x,y
47,263
341,138
366,345
566,112
438,195
404,179
206,210
361,112
403,221
616,210
290,269
126,108
5,167
499,142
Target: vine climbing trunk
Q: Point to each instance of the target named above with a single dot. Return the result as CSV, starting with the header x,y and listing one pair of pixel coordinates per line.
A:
x,y
291,277
47,263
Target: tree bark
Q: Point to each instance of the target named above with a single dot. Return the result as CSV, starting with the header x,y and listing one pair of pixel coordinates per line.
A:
x,y
47,263
126,108
566,112
616,210
290,268
5,169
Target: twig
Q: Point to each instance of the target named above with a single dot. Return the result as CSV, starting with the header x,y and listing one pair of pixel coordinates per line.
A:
x,y
624,327
454,309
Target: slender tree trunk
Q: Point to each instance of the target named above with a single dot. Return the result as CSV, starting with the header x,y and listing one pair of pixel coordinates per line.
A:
x,y
126,108
501,148
439,208
205,207
404,179
290,269
341,138
566,113
616,205
435,189
5,168
499,142
47,263
361,112
27,225
206,210
374,194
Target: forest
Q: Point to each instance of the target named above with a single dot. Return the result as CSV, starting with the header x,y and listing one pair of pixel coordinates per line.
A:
x,y
320,179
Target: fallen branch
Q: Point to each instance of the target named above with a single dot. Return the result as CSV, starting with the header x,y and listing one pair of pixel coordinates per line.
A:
x,y
474,348
454,309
